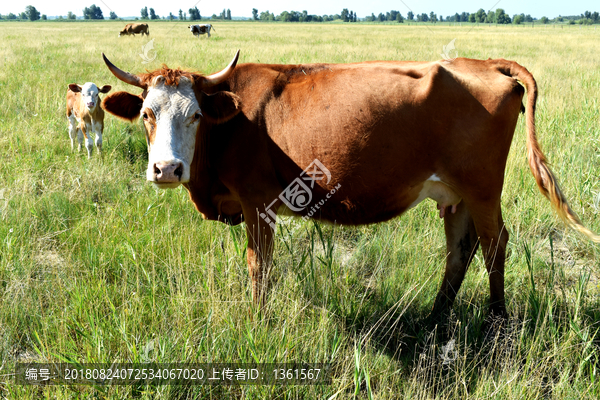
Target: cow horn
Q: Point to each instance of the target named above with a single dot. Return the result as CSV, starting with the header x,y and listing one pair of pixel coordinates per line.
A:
x,y
219,77
124,76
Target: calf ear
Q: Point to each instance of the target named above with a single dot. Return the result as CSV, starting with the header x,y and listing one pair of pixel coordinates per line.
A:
x,y
105,89
124,105
221,106
75,87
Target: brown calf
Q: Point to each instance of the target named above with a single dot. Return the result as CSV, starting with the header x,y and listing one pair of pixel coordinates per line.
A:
x,y
85,114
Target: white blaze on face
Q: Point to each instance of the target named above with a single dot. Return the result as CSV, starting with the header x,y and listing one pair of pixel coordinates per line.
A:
x,y
176,110
89,95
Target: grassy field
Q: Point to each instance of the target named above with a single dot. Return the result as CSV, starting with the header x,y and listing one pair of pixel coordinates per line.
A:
x,y
96,265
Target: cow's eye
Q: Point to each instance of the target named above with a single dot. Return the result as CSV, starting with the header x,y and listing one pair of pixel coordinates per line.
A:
x,y
145,116
197,115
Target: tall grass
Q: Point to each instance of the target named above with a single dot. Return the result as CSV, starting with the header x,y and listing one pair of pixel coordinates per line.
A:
x,y
96,265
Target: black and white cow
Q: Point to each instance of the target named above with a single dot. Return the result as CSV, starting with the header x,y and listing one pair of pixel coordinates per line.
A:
x,y
198,30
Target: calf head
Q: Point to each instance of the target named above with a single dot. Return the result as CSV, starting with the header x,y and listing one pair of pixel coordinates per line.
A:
x,y
89,93
173,107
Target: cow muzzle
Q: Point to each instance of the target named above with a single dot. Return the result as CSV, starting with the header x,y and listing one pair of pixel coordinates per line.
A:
x,y
167,174
91,105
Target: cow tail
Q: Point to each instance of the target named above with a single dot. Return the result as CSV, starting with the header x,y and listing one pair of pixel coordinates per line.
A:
x,y
538,164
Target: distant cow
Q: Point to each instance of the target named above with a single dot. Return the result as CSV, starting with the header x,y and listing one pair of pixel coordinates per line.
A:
x,y
85,114
347,143
132,29
198,30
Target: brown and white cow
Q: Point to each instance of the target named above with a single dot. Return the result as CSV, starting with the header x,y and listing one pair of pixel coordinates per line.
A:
x,y
85,115
132,29
384,135
198,30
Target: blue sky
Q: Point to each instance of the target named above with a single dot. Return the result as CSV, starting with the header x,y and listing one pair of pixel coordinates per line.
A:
x,y
243,8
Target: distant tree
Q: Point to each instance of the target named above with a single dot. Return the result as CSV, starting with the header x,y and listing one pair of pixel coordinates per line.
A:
x,y
399,18
228,17
44,17
171,16
410,16
528,18
70,15
194,14
180,15
11,16
344,15
472,18
93,12
23,15
267,16
480,16
502,17
544,20
255,14
433,17
518,19
113,15
153,14
32,13
144,13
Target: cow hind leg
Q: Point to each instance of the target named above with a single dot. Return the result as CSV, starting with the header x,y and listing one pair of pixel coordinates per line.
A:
x,y
493,237
461,245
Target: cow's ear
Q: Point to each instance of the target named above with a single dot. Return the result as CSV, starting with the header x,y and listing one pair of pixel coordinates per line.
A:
x,y
105,89
221,106
123,105
75,87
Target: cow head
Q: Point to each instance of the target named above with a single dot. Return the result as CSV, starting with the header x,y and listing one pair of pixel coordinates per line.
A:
x,y
173,107
89,93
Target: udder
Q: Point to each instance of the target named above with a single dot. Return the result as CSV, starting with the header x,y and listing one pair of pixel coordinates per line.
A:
x,y
438,191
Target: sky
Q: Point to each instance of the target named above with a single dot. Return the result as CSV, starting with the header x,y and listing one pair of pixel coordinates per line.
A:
x,y
243,8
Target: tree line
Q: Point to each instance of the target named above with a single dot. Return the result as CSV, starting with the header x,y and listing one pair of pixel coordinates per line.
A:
x,y
498,16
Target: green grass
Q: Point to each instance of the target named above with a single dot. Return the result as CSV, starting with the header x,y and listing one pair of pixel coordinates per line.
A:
x,y
96,265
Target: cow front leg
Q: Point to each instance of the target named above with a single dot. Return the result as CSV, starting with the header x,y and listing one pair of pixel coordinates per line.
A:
x,y
89,142
461,245
259,253
98,128
72,131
